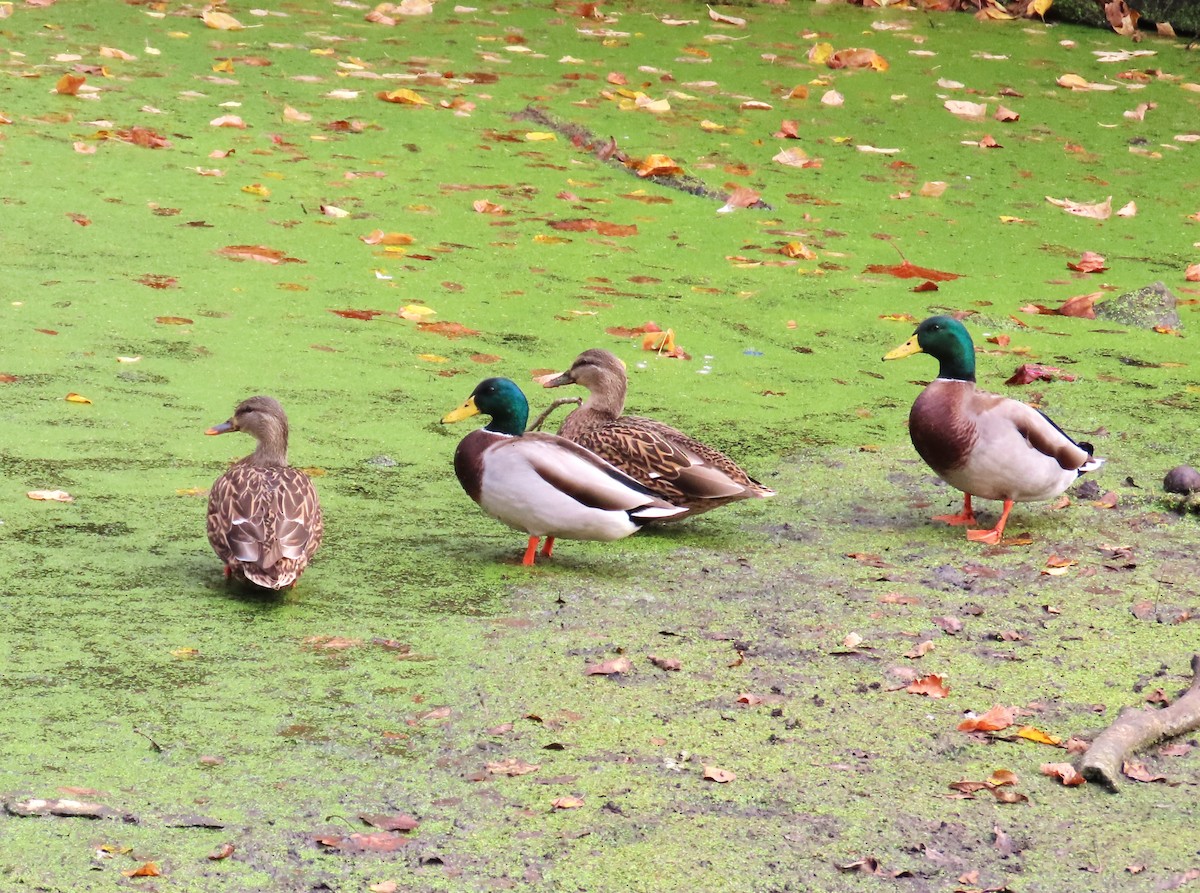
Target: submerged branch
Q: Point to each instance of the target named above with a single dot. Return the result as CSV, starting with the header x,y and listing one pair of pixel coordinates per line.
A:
x,y
1135,729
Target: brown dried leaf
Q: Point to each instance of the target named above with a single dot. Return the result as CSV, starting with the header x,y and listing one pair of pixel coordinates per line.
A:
x,y
613,666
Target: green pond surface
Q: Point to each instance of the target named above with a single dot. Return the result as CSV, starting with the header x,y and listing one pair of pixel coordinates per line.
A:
x,y
416,651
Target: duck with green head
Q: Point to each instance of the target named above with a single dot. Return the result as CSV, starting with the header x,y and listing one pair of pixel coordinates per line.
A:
x,y
543,484
983,444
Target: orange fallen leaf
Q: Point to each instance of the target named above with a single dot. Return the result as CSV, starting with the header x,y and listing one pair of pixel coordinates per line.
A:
x,y
720,776
69,84
379,237
446,329
908,270
1192,273
76,398
999,717
259,253
1089,262
148,869
658,166
933,686
567,802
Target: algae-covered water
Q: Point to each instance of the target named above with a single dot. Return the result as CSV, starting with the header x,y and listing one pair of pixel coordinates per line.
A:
x,y
416,652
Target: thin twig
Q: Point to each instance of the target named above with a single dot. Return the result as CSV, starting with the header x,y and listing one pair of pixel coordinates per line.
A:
x,y
537,423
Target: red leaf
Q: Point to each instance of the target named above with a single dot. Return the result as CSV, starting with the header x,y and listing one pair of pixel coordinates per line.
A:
x,y
581,225
357,314
926,286
908,270
378,842
1030,372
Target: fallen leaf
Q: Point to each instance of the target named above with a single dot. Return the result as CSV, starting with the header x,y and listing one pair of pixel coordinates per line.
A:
x,y
908,270
1136,770
76,398
971,111
1089,262
932,686
511,767
1094,210
1064,772
567,802
726,19
658,166
399,822
379,237
259,253
1029,733
69,84
665,663
446,329
720,776
224,851
147,869
233,121
402,96
999,717
377,842
1031,372
173,321
221,21
614,666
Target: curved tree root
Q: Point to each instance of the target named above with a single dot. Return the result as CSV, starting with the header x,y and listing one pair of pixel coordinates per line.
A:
x,y
1137,728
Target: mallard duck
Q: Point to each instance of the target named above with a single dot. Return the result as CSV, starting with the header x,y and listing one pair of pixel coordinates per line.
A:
x,y
264,518
983,444
670,464
543,484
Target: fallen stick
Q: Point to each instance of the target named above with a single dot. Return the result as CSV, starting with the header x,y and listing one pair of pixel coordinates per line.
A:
x,y
537,423
1137,728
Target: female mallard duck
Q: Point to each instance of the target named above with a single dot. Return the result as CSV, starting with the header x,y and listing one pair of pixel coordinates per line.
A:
x,y
670,464
983,444
264,518
543,484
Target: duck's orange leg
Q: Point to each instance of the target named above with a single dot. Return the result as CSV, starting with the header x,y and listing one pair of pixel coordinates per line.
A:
x,y
530,550
548,547
991,537
965,517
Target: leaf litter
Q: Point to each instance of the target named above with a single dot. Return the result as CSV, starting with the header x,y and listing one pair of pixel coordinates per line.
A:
x,y
724,315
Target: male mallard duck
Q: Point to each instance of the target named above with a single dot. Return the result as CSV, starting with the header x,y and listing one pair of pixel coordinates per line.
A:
x,y
264,518
983,444
672,465
543,484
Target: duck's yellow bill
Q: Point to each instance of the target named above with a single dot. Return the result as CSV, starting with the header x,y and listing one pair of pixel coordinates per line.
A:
x,y
465,411
907,349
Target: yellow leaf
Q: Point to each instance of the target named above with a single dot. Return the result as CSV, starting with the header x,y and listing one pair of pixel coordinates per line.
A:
x,y
257,189
540,136
711,126
404,96
221,21
798,249
190,491
416,311
432,358
185,653
543,239
819,53
76,398
1037,736
225,66
1038,7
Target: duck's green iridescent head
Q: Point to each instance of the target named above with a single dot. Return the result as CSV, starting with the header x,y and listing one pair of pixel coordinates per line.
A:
x,y
499,398
946,340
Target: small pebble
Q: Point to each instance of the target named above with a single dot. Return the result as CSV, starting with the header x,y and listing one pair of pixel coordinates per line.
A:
x,y
1182,479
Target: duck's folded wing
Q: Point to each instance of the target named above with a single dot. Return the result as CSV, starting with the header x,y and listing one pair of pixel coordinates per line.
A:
x,y
581,474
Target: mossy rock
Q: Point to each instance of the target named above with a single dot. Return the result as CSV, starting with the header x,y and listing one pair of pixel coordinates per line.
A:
x,y
1150,306
1182,15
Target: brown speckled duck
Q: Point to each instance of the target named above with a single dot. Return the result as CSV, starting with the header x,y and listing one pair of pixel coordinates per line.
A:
x,y
544,485
264,517
672,465
983,444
